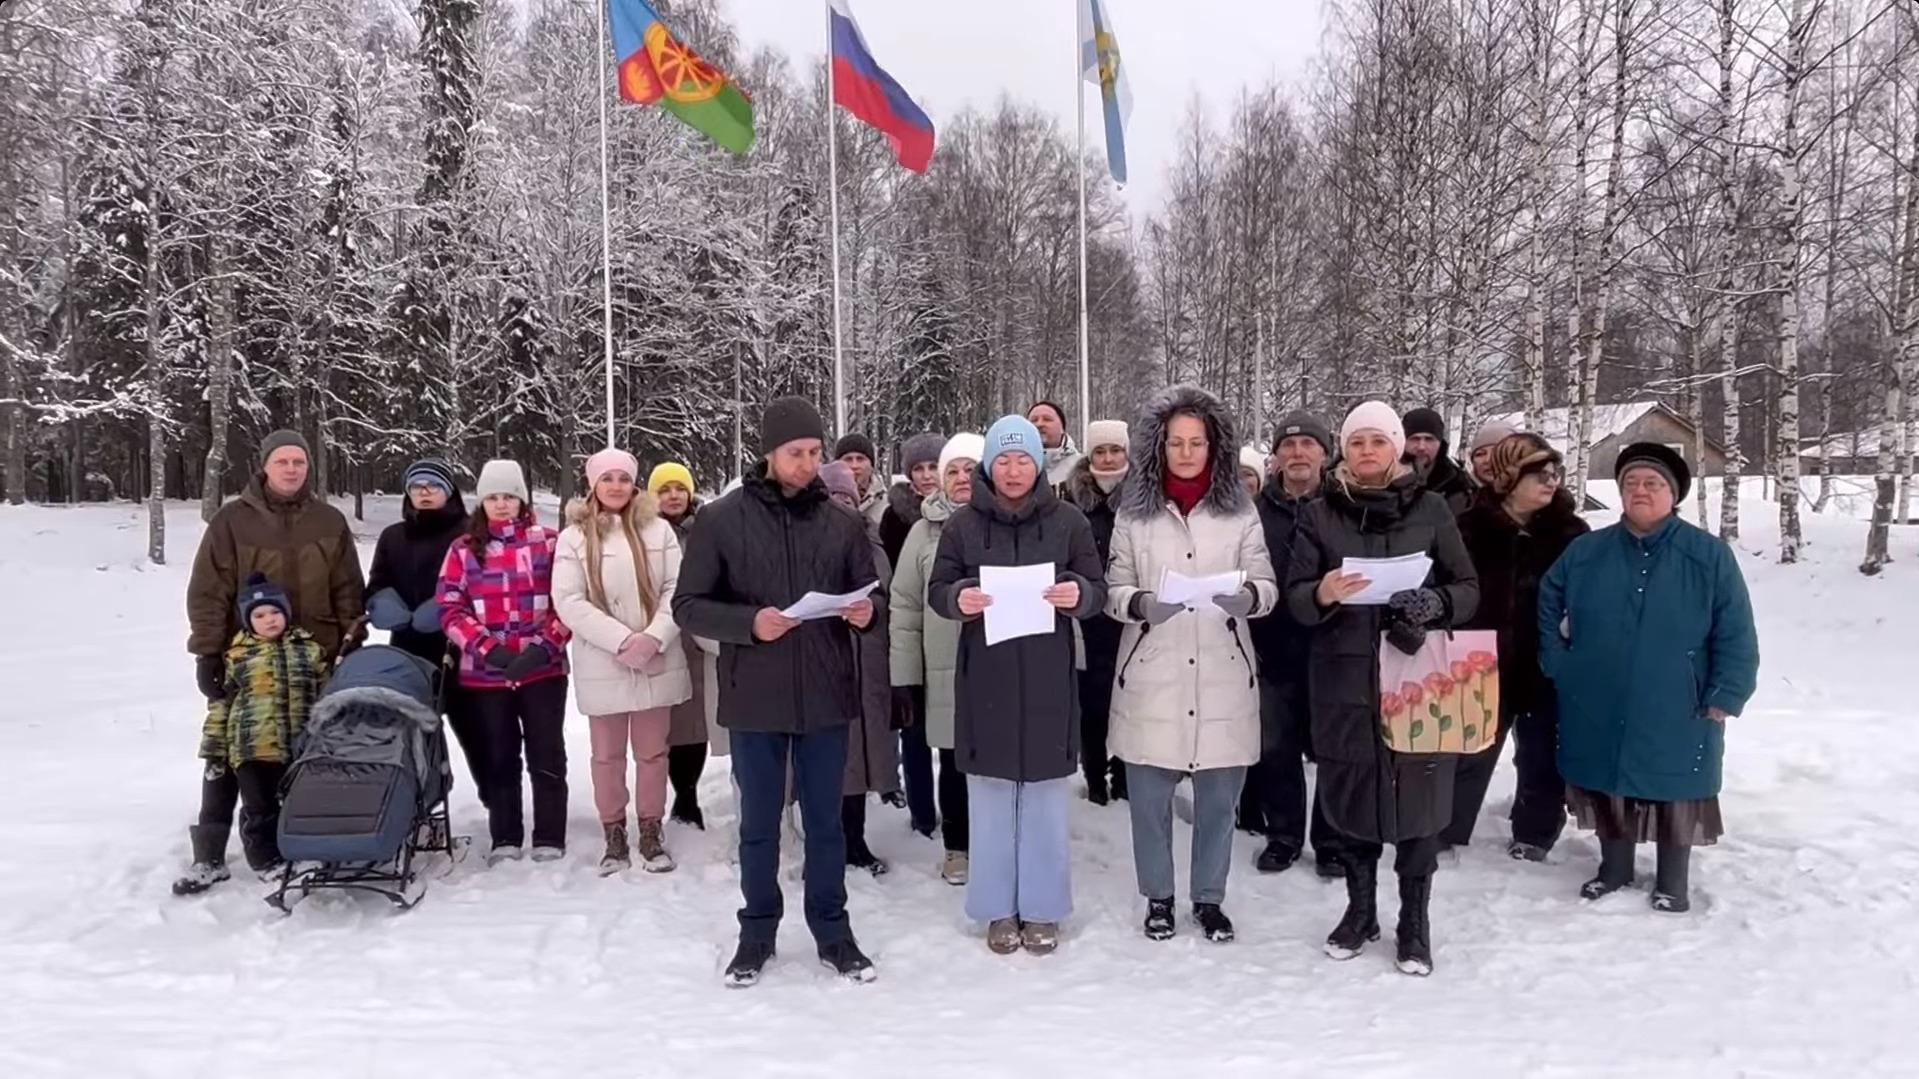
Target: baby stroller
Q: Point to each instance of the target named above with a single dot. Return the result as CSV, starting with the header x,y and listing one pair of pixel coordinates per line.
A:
x,y
366,795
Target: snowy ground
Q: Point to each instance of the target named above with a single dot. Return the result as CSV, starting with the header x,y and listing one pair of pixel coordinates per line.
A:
x,y
1799,959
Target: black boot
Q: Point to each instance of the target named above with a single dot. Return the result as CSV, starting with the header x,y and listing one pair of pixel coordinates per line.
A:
x,y
1415,927
1360,924
686,810
1116,781
1669,890
1278,857
209,860
1159,919
1213,922
1615,869
1097,792
749,960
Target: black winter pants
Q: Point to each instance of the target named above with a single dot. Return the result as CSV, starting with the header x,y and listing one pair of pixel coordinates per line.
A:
x,y
255,786
529,718
1539,797
466,731
1095,718
1411,858
952,802
684,766
916,766
1274,802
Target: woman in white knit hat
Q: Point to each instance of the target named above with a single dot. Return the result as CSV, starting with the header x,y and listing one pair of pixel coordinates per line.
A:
x,y
1375,507
613,584
925,647
1094,487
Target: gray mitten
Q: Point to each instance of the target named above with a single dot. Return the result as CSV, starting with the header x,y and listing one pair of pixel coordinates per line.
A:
x,y
1147,608
1239,604
1420,607
386,610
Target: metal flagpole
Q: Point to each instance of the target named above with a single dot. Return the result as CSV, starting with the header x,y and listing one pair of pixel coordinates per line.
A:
x,y
606,230
1079,161
833,188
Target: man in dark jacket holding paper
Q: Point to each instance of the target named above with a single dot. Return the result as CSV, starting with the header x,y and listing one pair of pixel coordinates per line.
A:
x,y
1017,701
788,688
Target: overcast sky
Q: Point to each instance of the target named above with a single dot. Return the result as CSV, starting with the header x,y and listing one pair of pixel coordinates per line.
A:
x,y
949,53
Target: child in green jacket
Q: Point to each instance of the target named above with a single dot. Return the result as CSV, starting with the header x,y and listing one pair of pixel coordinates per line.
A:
x,y
274,672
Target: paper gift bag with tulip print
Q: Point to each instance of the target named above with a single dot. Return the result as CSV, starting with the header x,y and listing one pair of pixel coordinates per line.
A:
x,y
1443,698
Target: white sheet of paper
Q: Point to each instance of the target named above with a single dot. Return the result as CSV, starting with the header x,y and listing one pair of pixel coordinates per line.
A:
x,y
820,605
1193,591
1019,609
1388,575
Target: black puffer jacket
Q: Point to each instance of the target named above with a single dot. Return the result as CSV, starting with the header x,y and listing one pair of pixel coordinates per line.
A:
x,y
1280,640
1353,522
1510,561
1017,702
757,548
902,513
1101,509
408,558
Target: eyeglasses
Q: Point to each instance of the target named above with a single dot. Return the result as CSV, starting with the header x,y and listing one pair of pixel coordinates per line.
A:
x,y
1551,477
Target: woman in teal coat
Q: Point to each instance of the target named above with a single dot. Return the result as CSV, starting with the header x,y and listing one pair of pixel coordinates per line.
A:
x,y
1646,630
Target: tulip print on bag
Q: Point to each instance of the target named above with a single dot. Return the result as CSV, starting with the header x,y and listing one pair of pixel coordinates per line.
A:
x,y
1443,698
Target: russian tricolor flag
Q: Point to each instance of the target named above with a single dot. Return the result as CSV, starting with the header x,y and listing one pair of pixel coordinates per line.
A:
x,y
864,89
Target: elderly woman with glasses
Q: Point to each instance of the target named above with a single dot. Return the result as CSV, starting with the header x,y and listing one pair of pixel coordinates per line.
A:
x,y
1522,520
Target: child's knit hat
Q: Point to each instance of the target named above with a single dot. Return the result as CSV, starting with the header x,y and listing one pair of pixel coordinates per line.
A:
x,y
260,592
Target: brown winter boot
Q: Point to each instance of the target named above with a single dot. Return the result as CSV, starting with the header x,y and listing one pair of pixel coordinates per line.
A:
x,y
1003,936
616,857
652,847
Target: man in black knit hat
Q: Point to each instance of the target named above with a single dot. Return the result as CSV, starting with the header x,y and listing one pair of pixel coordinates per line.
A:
x,y
1428,451
789,687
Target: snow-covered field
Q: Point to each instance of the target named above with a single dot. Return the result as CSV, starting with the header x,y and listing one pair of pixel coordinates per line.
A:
x,y
1800,958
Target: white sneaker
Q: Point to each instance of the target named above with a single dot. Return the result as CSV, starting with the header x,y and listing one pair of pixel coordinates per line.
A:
x,y
953,869
548,854
505,852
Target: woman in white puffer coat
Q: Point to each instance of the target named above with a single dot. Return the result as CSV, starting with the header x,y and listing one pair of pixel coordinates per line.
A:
x,y
614,575
1186,696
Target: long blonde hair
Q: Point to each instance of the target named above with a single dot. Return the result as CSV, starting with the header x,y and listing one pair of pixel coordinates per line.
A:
x,y
594,522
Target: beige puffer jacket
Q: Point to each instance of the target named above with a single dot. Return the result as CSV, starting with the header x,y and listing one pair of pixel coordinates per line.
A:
x,y
602,685
1187,693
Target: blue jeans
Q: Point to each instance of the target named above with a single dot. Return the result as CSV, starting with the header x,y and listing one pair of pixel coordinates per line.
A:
x,y
1020,863
760,768
1149,793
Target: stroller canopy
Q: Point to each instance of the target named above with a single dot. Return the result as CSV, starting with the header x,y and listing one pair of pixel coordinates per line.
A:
x,y
385,667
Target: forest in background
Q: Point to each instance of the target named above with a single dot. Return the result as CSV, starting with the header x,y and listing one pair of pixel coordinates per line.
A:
x,y
381,224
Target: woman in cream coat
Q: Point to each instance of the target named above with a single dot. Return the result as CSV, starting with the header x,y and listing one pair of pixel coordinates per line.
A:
x,y
1186,696
613,581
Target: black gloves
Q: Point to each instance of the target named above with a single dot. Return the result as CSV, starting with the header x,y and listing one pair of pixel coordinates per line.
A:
x,y
210,674
906,707
1404,637
1419,607
499,657
531,659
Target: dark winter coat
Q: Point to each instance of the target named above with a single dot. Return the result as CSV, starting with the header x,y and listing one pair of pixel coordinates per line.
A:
x,y
1641,635
407,559
1449,481
1017,702
1100,633
689,727
1368,791
872,746
901,514
304,546
1281,641
758,548
1510,561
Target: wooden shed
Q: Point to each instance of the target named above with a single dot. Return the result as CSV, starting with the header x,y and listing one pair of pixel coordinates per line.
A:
x,y
1616,426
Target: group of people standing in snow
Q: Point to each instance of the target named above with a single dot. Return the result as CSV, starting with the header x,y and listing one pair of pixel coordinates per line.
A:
x,y
1621,655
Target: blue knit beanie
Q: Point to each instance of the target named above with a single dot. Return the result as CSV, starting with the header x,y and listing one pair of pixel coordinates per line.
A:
x,y
1014,434
260,592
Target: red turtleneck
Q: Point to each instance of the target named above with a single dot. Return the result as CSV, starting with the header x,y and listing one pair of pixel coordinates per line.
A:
x,y
1185,494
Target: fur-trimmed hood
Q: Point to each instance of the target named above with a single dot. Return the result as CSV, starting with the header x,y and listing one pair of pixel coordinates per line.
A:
x,y
1143,493
647,508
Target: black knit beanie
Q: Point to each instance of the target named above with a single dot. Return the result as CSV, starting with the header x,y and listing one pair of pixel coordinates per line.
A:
x,y
1424,421
789,419
855,443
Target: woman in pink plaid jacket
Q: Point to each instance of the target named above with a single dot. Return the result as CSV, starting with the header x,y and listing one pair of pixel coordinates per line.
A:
x,y
496,606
